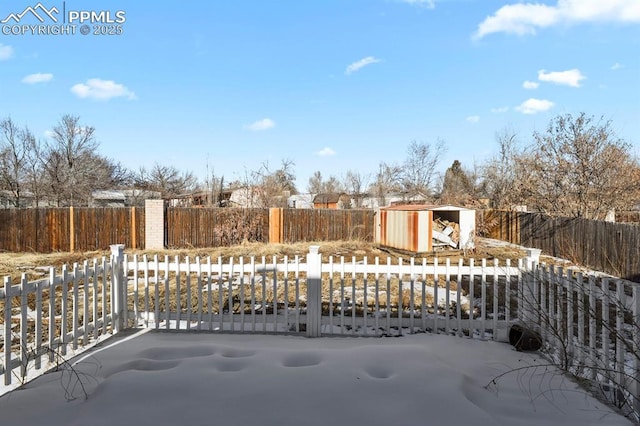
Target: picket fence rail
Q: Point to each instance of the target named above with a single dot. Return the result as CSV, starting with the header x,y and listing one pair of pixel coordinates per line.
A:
x,y
590,324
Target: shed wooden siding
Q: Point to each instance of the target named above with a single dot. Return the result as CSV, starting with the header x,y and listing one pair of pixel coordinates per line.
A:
x,y
331,206
406,230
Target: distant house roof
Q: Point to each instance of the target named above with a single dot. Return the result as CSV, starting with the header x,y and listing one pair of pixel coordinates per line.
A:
x,y
11,194
108,195
410,207
327,198
420,207
145,193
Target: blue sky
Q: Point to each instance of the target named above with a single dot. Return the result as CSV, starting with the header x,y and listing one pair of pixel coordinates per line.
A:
x,y
332,85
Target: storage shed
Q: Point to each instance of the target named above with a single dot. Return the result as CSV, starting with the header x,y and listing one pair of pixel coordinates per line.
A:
x,y
423,228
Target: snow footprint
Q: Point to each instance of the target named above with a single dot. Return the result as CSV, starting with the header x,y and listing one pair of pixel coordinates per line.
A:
x,y
302,359
142,365
236,353
379,372
164,354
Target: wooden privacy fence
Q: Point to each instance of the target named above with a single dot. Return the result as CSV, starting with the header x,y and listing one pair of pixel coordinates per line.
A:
x,y
613,248
591,325
84,229
327,225
628,217
46,230
214,227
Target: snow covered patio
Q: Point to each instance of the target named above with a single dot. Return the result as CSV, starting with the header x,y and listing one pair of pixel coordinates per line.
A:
x,y
156,377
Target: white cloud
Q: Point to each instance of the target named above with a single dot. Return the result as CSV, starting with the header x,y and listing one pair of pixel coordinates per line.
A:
x,y
260,125
6,52
533,106
49,133
37,78
530,85
326,152
526,18
429,4
499,110
568,78
360,64
101,90
473,118
617,66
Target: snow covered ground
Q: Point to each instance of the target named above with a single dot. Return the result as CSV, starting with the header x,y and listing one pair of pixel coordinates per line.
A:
x,y
160,378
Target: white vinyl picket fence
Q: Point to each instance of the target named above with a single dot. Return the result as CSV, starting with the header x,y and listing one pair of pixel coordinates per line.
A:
x,y
590,324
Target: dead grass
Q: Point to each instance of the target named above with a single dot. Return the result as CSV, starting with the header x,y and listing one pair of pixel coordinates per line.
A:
x,y
35,265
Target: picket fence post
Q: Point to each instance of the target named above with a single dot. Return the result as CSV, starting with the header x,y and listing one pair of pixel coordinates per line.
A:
x,y
529,311
314,292
635,384
119,285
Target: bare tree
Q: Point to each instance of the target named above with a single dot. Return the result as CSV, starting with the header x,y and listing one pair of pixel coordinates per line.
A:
x,y
387,181
35,177
318,185
73,140
214,187
579,168
67,161
107,173
273,187
355,183
167,180
500,174
72,167
14,155
419,172
315,183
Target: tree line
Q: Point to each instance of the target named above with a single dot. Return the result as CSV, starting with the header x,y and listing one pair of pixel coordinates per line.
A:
x,y
577,167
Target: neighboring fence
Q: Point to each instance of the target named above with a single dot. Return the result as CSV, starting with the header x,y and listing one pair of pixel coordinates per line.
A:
x,y
83,229
591,325
46,230
628,217
613,248
327,225
214,227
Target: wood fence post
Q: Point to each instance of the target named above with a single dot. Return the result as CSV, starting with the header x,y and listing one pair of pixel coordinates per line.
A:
x,y
134,242
314,292
275,225
72,230
120,286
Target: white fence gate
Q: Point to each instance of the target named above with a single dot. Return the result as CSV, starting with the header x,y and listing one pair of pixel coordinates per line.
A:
x,y
591,325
